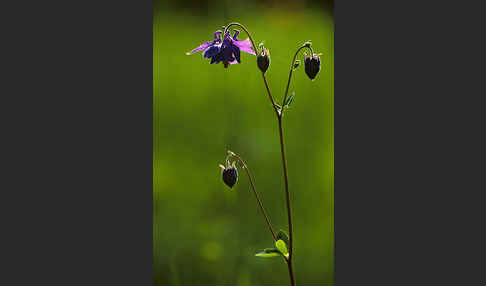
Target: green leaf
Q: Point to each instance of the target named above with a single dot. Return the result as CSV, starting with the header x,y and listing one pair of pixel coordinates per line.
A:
x,y
269,252
280,244
296,64
289,99
283,236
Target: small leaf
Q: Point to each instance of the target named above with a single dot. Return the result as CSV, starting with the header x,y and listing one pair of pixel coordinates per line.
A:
x,y
289,99
269,252
283,236
280,244
296,64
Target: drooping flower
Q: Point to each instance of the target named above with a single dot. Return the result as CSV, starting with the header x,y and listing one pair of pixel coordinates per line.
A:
x,y
226,50
230,174
312,65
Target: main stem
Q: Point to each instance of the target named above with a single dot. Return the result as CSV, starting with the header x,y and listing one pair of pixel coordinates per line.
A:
x,y
256,194
291,272
287,196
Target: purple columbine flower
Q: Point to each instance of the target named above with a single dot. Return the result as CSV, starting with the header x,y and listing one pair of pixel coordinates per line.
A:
x,y
225,50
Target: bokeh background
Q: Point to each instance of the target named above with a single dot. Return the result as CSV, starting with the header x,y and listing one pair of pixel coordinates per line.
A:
x,y
205,233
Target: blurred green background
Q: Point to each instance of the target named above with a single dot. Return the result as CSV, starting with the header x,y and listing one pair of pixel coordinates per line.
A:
x,y
205,233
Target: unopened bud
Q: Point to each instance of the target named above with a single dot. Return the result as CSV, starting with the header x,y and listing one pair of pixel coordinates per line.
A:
x,y
312,65
230,174
263,59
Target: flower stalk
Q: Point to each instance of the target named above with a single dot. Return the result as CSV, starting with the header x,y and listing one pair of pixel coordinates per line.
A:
x,y
252,184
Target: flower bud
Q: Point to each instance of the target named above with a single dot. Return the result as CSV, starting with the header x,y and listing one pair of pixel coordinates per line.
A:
x,y
263,59
312,65
230,174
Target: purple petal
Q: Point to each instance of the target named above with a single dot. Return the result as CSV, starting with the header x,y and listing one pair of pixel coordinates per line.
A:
x,y
236,53
235,35
211,51
217,35
203,46
245,46
227,50
217,58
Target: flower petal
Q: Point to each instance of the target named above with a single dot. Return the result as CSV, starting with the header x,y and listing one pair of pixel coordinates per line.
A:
x,y
235,35
245,46
211,51
236,53
203,46
227,50
217,58
217,35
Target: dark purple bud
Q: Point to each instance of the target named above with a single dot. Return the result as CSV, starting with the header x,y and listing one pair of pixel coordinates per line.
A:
x,y
230,176
312,65
263,59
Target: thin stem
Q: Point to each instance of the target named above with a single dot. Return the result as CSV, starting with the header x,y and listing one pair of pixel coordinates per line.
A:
x,y
277,112
291,272
256,194
287,196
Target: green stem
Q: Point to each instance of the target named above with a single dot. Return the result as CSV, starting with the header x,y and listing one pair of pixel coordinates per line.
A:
x,y
287,196
255,192
291,272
